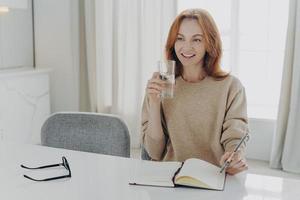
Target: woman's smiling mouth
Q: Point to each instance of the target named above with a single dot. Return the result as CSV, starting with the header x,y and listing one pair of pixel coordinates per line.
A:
x,y
187,55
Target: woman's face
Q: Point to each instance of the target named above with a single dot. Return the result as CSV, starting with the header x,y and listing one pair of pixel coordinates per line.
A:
x,y
189,45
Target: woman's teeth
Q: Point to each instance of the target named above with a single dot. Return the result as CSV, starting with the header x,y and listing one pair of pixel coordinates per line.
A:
x,y
188,55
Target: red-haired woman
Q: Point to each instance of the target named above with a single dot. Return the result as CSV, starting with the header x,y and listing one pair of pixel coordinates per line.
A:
x,y
208,116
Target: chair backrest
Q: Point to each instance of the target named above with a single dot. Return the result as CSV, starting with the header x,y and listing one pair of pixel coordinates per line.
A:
x,y
90,132
144,154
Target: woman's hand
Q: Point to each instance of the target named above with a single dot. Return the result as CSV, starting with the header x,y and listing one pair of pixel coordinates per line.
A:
x,y
154,87
237,164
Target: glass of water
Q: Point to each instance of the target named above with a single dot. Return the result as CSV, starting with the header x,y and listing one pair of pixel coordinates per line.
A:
x,y
166,70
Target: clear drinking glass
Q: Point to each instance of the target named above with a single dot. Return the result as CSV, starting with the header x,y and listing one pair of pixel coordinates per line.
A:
x,y
166,70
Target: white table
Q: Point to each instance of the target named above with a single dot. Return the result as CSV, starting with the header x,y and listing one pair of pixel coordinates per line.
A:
x,y
97,176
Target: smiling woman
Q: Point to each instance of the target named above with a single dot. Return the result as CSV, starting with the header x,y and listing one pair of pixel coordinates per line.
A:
x,y
207,116
189,45
195,30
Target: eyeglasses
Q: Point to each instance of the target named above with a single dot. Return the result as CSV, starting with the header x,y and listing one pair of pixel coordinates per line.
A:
x,y
64,164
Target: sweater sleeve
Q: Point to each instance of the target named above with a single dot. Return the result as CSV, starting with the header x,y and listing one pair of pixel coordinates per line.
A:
x,y
235,123
153,147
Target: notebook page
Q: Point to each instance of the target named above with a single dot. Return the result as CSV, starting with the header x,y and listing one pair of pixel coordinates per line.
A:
x,y
153,173
203,171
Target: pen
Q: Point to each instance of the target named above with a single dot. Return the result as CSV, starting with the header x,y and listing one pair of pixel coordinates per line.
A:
x,y
228,161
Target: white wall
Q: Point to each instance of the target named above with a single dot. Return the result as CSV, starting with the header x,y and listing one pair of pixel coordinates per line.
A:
x,y
57,47
261,138
16,47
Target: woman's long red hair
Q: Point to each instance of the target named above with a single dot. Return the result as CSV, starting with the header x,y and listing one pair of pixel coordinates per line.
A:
x,y
212,39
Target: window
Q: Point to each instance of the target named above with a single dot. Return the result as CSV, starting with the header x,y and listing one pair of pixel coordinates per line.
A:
x,y
253,33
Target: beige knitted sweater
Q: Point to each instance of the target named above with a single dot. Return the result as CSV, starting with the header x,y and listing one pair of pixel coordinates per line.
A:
x,y
203,120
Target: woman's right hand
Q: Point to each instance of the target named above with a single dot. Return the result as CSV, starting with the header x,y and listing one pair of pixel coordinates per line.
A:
x,y
154,87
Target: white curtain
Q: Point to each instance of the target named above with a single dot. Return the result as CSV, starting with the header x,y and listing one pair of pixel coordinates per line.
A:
x,y
286,144
124,39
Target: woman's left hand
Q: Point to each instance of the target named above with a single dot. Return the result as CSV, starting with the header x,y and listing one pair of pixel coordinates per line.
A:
x,y
237,164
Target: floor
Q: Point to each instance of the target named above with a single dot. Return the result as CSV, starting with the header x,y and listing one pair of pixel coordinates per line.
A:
x,y
255,166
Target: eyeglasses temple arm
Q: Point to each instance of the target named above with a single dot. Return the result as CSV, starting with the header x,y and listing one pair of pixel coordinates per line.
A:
x,y
47,179
41,167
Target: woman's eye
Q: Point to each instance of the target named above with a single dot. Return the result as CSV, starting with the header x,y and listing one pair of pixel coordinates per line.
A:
x,y
197,40
179,39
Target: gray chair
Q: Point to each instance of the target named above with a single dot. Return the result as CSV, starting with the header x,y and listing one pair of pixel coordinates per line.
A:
x,y
89,132
144,154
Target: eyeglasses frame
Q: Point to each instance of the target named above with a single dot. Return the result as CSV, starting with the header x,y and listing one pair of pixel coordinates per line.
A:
x,y
64,163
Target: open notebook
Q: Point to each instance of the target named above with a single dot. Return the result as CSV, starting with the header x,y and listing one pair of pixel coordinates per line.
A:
x,y
192,173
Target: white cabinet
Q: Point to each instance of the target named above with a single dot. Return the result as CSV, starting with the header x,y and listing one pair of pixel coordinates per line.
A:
x,y
18,4
24,104
16,35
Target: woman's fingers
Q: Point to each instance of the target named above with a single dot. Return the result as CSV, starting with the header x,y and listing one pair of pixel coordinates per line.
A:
x,y
237,167
153,91
233,171
154,86
237,162
225,157
236,158
156,81
155,75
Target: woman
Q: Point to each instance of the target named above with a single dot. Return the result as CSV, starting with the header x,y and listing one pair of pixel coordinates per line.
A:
x,y
208,115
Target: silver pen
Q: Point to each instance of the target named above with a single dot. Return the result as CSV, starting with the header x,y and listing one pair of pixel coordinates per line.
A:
x,y
228,161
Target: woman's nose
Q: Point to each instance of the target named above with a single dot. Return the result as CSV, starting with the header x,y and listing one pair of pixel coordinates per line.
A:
x,y
187,45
